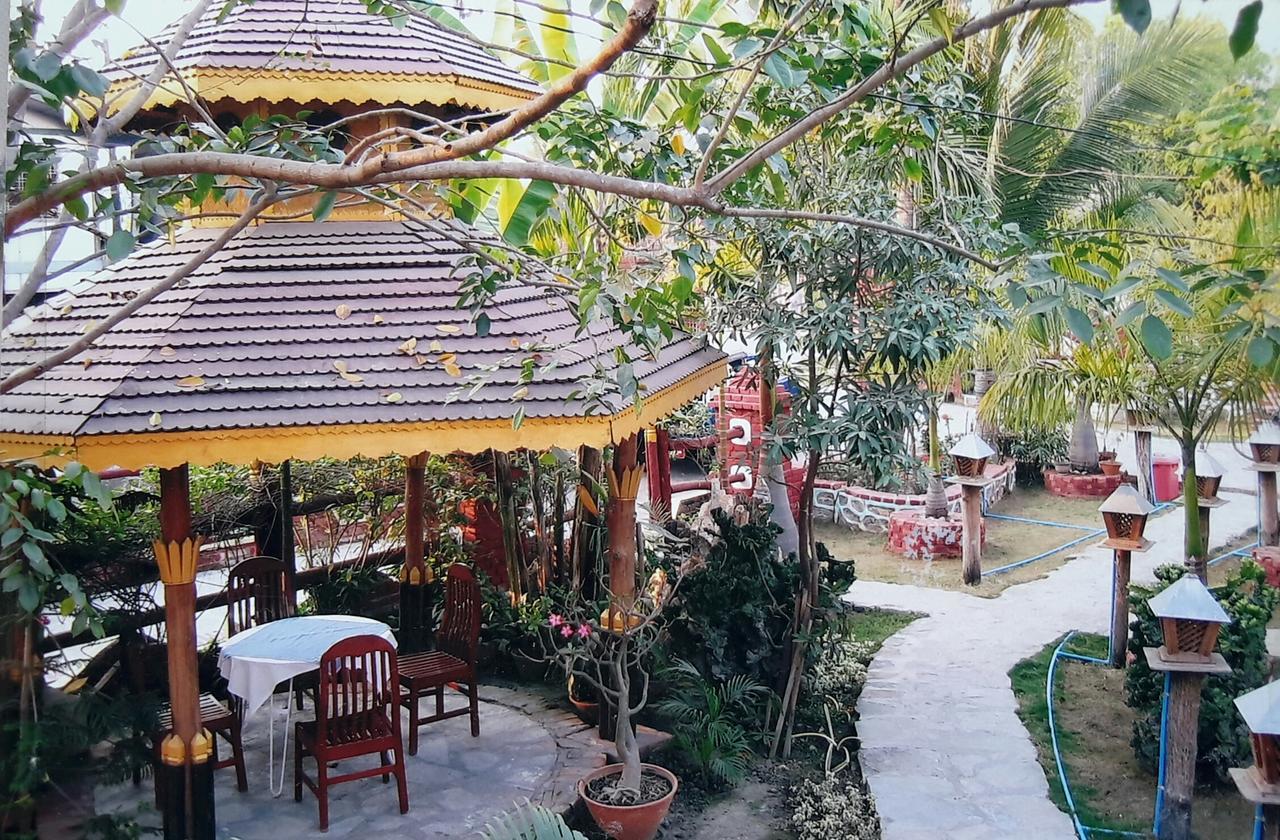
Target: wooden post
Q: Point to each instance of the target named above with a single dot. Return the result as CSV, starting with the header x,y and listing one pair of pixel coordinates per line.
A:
x,y
414,607
1142,448
504,489
185,772
1181,729
1122,561
585,518
1269,520
971,513
1271,818
273,536
624,475
657,447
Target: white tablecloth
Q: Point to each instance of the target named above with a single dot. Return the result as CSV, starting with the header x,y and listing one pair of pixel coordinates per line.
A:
x,y
255,661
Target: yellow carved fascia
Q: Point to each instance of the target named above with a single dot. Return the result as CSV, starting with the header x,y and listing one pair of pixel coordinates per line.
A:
x,y
173,751
327,86
201,746
177,560
628,488
373,440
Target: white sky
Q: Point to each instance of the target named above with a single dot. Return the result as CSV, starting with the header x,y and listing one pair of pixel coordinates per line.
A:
x,y
150,16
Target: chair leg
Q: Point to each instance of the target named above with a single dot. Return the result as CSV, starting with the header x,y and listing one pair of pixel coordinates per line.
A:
x,y
413,721
382,757
297,698
402,787
237,754
474,700
439,700
297,771
322,792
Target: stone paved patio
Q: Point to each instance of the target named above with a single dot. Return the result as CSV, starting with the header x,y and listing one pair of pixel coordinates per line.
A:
x,y
942,746
527,749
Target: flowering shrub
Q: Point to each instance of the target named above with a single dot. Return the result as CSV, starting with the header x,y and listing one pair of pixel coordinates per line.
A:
x,y
567,629
841,668
837,806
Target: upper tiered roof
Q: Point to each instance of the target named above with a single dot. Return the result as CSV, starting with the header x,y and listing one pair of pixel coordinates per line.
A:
x,y
330,51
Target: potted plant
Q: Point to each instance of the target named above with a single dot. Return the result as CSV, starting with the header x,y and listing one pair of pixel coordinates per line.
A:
x,y
1110,466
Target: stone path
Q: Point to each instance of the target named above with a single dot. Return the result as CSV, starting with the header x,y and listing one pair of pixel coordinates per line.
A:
x,y
527,749
942,747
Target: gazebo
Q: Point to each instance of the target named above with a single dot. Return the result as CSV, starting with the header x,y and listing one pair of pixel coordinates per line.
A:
x,y
303,339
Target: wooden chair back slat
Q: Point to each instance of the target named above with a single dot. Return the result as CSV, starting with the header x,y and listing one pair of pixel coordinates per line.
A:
x,y
460,627
358,696
257,593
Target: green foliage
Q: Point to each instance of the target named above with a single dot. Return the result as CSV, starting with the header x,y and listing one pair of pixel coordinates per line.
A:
x,y
1223,740
1034,451
730,616
713,721
348,591
529,822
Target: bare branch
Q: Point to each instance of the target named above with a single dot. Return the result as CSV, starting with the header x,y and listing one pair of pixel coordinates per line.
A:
x,y
85,341
36,277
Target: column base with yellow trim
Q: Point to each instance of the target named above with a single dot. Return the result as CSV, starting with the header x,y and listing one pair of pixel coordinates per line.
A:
x,y
172,772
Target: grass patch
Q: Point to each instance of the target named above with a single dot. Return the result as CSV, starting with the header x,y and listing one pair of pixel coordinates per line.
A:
x,y
1007,542
1110,789
874,625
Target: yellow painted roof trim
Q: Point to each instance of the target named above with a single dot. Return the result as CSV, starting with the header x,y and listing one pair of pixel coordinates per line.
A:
x,y
329,86
309,443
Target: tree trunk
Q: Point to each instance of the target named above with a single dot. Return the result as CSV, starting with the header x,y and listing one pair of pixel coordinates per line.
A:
x,y
774,475
620,519
516,583
1083,453
1196,555
935,497
624,740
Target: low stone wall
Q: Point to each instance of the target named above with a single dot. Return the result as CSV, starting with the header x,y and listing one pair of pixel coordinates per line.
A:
x,y
1077,486
915,535
864,509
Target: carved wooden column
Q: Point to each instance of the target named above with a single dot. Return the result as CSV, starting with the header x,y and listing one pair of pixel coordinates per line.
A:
x,y
415,605
185,773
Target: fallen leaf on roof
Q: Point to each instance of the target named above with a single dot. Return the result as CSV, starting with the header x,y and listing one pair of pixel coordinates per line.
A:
x,y
452,369
448,329
435,347
378,319
520,393
66,310
88,326
419,361
154,419
515,342
343,312
168,351
87,362
446,358
408,347
191,382
393,397
341,368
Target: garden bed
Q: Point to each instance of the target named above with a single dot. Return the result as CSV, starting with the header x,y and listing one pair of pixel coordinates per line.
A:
x,y
1110,788
1007,542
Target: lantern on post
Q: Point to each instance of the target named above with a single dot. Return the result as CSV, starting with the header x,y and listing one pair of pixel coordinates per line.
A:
x,y
1264,446
1208,479
1260,784
971,454
1125,513
1190,618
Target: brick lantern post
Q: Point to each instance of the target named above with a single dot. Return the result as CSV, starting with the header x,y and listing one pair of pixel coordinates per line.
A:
x,y
1208,479
1125,513
1264,447
971,454
1190,619
1260,784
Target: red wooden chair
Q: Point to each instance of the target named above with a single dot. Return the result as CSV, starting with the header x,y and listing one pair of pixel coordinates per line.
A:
x,y
453,662
356,715
258,593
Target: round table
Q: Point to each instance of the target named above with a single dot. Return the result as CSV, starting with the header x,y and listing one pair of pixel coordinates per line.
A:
x,y
256,660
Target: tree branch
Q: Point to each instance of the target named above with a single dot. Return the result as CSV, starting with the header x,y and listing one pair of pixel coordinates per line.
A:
x,y
85,341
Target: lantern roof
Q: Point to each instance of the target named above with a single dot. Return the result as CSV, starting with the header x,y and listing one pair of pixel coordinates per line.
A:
x,y
326,50
1128,500
1260,709
326,339
1189,599
972,446
1267,434
1207,466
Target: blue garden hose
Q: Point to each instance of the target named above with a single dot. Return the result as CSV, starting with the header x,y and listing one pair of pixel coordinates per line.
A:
x,y
1164,745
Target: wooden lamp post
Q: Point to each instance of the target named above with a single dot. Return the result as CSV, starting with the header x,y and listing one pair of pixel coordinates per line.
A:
x,y
1260,784
1208,479
1264,447
1125,513
1140,423
971,454
1190,619
185,771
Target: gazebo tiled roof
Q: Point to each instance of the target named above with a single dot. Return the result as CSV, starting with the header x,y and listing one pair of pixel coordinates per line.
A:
x,y
241,360
328,50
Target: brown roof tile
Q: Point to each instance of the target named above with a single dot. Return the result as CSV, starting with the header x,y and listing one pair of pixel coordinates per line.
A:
x,y
258,323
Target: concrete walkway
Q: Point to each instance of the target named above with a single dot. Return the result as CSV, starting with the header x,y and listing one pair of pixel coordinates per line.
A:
x,y
942,746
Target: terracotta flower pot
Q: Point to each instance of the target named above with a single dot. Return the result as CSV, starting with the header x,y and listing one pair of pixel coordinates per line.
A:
x,y
1110,467
629,822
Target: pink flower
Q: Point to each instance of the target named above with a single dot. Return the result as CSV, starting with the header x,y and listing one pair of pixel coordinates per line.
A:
x,y
555,620
584,630
566,630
